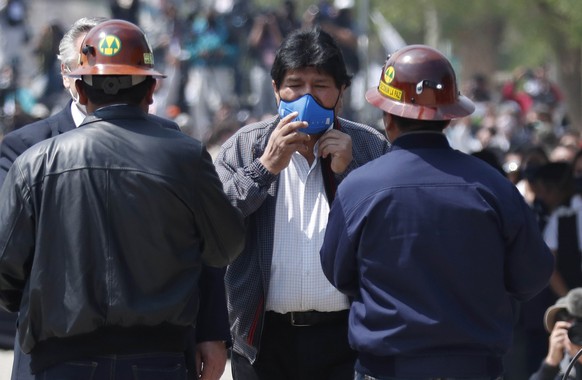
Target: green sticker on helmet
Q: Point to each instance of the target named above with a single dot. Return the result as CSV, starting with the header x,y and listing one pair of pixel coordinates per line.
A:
x,y
109,45
148,58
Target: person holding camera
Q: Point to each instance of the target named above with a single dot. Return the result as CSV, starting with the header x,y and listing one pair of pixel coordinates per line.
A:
x,y
564,322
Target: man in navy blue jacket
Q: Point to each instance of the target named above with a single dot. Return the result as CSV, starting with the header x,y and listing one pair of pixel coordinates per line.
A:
x,y
213,329
433,246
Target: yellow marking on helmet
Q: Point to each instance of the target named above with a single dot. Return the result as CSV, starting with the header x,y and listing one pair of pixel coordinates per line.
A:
x,y
389,74
390,91
148,58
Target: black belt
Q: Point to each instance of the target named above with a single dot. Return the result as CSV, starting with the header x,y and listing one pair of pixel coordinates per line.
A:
x,y
310,318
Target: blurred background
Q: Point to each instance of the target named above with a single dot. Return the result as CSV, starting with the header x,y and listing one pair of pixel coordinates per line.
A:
x,y
512,57
519,61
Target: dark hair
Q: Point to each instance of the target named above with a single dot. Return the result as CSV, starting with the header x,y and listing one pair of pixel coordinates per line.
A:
x,y
310,48
406,125
489,156
556,175
132,95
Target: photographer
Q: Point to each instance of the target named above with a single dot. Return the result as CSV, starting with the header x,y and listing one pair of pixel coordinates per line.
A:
x,y
564,321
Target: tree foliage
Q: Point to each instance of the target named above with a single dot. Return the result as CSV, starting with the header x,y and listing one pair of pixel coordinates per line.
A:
x,y
506,34
493,36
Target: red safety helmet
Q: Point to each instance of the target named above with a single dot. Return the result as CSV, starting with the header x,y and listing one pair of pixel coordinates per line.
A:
x,y
418,82
115,47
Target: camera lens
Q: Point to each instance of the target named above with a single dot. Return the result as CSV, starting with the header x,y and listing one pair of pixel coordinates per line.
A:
x,y
575,333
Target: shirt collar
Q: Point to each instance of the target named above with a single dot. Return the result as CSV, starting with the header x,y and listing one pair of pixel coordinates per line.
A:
x,y
78,115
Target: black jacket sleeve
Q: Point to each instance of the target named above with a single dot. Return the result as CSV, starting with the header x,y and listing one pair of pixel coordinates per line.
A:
x,y
221,224
212,323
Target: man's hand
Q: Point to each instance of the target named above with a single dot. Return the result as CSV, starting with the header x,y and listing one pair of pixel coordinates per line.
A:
x,y
285,140
210,360
558,340
339,146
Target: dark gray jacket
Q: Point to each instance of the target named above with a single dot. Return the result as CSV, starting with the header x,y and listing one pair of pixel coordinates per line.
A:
x,y
106,226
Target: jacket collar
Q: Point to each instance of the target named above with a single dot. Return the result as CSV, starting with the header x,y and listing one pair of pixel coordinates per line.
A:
x,y
421,140
118,111
62,122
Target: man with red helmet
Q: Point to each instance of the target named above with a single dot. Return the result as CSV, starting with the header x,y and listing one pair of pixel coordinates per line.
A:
x,y
103,229
432,245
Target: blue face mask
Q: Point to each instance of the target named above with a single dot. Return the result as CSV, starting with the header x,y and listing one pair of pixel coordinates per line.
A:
x,y
319,118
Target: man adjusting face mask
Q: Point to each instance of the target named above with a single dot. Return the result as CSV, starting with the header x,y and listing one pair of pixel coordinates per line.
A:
x,y
318,117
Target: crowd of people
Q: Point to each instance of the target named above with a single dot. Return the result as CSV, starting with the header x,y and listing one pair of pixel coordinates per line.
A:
x,y
218,67
217,62
237,81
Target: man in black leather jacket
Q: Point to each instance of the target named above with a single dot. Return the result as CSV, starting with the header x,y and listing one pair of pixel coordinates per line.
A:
x,y
212,326
104,228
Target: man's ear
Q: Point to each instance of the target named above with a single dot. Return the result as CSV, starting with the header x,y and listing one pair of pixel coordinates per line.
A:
x,y
66,80
390,127
150,93
340,100
276,92
81,91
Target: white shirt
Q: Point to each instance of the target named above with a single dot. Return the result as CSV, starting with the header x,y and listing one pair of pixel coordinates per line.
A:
x,y
551,228
297,280
78,115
